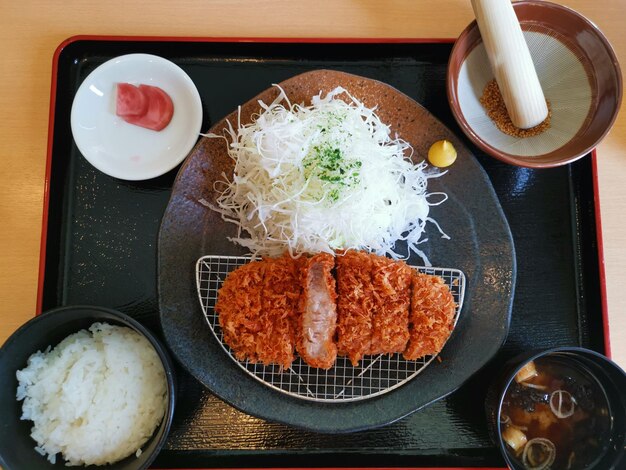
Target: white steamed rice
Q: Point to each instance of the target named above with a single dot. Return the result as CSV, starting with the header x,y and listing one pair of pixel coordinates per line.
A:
x,y
97,397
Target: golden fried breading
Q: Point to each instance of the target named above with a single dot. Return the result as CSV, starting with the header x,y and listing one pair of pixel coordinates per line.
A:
x,y
391,289
431,318
239,308
318,312
257,306
355,305
276,341
269,309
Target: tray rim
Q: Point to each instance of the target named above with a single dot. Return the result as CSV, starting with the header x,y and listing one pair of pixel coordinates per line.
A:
x,y
295,40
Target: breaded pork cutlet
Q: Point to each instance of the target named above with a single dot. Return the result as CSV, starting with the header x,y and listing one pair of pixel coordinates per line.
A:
x,y
276,341
270,309
318,312
431,318
257,306
355,304
391,289
239,308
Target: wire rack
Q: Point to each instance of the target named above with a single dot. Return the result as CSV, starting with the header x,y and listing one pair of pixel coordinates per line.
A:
x,y
374,376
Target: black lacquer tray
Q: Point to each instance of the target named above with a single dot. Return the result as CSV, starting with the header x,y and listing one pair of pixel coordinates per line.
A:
x,y
100,239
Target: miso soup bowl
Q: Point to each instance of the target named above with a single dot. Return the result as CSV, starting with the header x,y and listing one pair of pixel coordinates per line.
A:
x,y
608,375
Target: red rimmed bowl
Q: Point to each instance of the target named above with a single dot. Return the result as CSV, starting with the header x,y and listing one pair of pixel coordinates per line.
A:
x,y
579,74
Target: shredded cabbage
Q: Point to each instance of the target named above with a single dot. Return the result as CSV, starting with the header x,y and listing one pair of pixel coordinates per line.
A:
x,y
323,177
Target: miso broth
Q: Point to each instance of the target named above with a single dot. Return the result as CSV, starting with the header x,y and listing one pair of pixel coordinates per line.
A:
x,y
555,415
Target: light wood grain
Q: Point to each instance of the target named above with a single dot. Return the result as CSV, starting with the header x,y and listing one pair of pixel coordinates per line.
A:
x,y
31,30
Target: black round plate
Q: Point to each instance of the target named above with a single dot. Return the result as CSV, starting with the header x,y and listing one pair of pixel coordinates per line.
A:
x,y
480,245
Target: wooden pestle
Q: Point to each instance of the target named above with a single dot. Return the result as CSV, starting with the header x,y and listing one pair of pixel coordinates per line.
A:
x,y
511,62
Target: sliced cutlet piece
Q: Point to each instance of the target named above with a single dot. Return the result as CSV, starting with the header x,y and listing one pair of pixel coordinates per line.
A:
x,y
239,308
431,318
391,289
355,304
318,312
276,340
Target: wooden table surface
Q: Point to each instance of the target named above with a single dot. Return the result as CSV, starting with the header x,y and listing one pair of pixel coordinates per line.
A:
x,y
30,31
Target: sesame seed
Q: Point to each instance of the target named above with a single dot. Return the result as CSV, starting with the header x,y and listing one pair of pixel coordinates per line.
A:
x,y
493,103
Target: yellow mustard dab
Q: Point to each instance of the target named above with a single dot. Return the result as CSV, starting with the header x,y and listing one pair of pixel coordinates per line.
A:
x,y
442,154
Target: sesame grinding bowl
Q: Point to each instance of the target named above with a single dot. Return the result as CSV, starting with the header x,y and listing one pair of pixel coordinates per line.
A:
x,y
579,75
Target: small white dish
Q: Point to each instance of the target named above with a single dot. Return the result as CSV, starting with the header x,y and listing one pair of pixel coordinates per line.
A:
x,y
124,150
